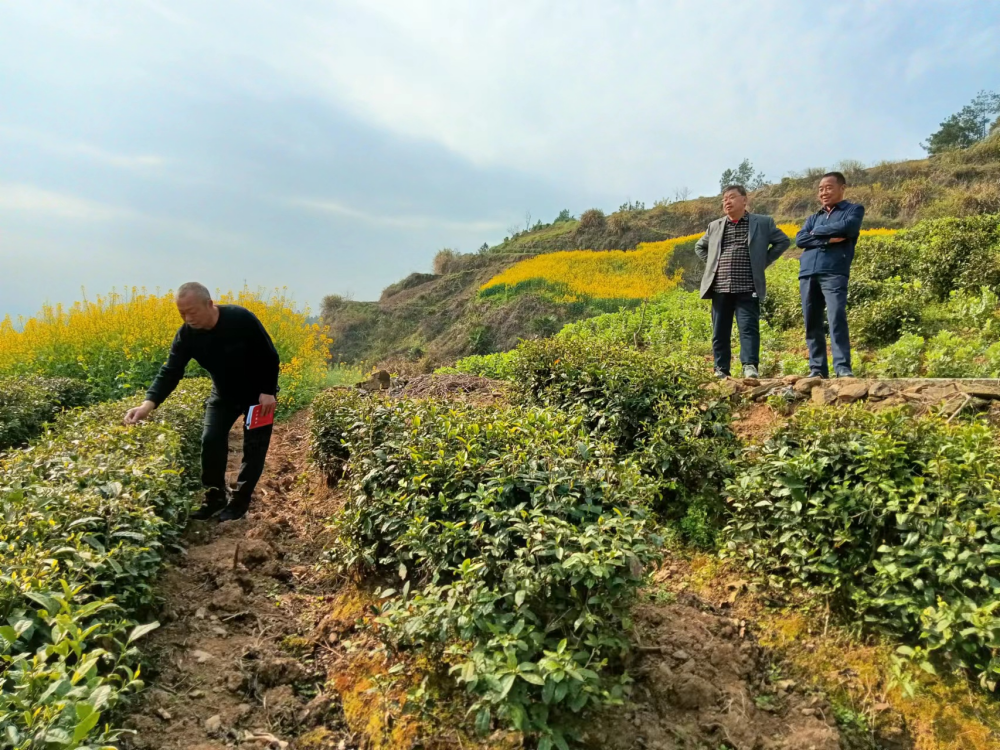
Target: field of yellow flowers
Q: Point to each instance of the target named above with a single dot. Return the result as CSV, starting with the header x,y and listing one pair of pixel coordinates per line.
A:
x,y
118,341
612,274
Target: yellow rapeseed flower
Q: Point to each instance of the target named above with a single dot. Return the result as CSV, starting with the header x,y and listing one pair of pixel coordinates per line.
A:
x,y
611,274
118,341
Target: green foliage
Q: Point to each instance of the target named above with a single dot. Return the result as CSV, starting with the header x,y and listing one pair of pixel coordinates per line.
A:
x,y
518,539
744,175
499,366
676,321
652,407
84,516
966,127
952,254
902,359
782,307
28,402
895,518
564,215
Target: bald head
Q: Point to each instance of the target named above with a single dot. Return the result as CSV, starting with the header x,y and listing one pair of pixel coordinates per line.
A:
x,y
194,303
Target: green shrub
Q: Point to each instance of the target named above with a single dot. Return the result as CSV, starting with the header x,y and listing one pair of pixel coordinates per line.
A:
x,y
881,310
895,518
499,366
903,359
956,253
652,407
519,540
675,321
782,308
951,355
27,403
84,516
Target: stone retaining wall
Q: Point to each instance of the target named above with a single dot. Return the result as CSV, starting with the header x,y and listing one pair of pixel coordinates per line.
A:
x,y
950,396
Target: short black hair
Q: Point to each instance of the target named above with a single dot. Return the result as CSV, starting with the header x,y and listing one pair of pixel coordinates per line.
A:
x,y
738,188
839,176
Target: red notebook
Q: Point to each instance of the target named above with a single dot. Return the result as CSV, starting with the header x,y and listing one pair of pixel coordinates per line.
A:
x,y
256,419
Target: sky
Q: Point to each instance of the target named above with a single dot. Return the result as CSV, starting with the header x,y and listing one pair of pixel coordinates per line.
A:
x,y
334,146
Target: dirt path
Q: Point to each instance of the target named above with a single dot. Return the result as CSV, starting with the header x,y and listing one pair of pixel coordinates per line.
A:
x,y
259,648
230,664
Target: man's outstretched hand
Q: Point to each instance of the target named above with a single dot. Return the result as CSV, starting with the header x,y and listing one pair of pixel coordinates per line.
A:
x,y
139,413
267,404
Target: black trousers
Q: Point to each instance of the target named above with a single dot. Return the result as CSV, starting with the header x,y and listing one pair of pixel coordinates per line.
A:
x,y
220,415
746,309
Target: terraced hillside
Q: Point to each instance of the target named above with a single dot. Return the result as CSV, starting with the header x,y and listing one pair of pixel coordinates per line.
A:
x,y
428,319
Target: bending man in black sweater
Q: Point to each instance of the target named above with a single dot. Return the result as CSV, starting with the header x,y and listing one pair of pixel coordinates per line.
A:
x,y
232,345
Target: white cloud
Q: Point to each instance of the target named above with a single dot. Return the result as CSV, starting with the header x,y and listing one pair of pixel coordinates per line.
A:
x,y
77,149
337,208
28,199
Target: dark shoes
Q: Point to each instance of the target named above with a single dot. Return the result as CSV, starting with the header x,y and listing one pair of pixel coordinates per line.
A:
x,y
817,374
209,508
845,373
236,509
720,374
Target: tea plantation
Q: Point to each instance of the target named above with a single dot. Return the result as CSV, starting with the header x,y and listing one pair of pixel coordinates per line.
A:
x,y
84,517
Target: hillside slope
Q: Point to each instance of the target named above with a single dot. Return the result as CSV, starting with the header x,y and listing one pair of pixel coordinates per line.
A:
x,y
429,319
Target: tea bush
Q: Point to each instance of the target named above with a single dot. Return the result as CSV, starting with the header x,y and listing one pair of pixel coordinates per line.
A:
x,y
499,366
654,408
27,403
519,539
894,517
84,515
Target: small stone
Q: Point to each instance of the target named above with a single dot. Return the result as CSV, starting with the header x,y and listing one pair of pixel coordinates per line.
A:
x,y
164,714
880,390
791,379
807,384
681,655
200,613
808,711
220,631
213,724
243,710
852,392
982,391
196,694
751,382
761,390
823,396
201,656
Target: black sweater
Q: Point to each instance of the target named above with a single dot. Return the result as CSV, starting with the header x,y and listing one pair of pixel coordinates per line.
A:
x,y
237,353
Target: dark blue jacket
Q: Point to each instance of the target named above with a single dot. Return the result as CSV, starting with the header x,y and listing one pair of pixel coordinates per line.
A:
x,y
819,255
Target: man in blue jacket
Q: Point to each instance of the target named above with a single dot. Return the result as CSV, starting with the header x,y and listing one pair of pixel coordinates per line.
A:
x,y
827,241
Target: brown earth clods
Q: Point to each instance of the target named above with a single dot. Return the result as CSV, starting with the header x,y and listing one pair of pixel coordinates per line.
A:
x,y
467,387
702,682
260,648
229,666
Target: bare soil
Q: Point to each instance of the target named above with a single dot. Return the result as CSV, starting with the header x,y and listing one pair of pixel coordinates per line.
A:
x,y
702,681
262,647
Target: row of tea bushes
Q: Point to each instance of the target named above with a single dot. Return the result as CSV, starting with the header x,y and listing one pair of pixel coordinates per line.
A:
x,y
895,518
27,403
654,408
84,516
517,538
